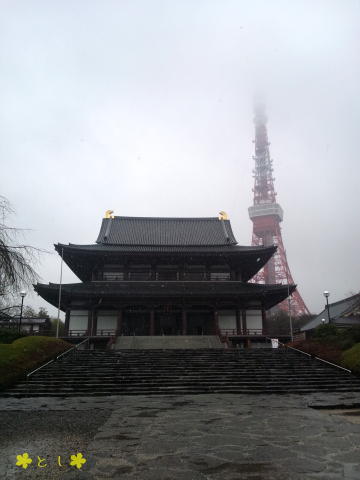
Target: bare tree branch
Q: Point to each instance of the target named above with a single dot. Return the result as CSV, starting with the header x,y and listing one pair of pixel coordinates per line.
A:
x,y
16,259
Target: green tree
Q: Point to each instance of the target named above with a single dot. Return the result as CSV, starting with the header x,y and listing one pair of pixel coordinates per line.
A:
x,y
29,312
43,313
54,326
278,323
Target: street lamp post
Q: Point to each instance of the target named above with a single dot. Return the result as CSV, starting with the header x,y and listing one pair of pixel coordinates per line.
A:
x,y
22,295
326,295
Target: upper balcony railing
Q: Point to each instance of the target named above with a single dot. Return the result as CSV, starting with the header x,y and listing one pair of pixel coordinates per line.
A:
x,y
165,275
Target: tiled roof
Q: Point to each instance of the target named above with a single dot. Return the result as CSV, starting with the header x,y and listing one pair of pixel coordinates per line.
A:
x,y
338,309
82,259
25,320
155,231
272,294
103,248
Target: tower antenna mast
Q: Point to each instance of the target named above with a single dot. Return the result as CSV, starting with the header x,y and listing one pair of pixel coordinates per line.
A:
x,y
266,215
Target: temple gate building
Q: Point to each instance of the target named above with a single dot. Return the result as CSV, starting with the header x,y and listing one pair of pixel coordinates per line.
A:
x,y
165,276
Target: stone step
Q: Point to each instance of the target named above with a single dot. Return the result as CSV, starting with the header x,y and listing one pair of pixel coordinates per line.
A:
x,y
180,372
165,364
201,385
178,391
291,387
185,375
198,382
205,375
112,380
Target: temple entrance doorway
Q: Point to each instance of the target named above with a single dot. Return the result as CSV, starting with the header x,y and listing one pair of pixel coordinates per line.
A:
x,y
200,323
135,323
168,323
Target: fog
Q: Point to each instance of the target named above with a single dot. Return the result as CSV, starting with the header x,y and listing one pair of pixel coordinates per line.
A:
x,y
146,108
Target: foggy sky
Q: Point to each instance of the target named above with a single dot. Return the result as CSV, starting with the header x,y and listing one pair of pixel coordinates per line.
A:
x,y
145,107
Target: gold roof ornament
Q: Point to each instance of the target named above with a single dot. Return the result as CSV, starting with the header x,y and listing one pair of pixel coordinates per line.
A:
x,y
108,214
223,215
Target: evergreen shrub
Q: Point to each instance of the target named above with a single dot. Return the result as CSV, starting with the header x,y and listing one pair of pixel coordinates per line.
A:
x,y
351,358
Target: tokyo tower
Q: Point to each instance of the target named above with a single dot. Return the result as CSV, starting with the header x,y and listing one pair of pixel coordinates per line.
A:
x,y
266,215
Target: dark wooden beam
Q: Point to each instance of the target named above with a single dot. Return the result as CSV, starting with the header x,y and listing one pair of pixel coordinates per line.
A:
x,y
216,322
243,319
67,321
184,321
119,322
94,321
152,322
238,321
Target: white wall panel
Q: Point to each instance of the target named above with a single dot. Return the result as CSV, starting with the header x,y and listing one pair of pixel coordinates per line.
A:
x,y
254,319
78,320
106,321
227,319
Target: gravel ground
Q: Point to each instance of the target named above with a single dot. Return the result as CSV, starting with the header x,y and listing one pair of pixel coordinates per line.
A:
x,y
47,434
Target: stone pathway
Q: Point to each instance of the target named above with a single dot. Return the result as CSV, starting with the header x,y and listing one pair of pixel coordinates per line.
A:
x,y
203,437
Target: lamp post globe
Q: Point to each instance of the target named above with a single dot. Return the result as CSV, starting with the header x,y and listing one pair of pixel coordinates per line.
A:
x,y
326,295
22,295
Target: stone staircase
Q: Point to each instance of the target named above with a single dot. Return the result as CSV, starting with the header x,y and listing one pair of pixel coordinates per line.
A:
x,y
159,372
157,342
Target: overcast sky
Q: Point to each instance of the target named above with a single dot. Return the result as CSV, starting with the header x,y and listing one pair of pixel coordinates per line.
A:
x,y
145,107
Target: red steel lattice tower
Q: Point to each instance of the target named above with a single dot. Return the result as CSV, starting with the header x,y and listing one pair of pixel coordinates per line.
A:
x,y
266,215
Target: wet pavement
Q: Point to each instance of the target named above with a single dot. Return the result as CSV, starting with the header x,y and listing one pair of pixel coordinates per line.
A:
x,y
211,437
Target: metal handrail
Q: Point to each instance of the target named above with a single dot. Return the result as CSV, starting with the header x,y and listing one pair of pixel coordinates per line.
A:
x,y
75,347
333,364
39,368
313,356
57,358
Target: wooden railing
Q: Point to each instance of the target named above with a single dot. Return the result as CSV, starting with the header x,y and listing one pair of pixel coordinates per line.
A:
x,y
230,332
77,333
106,332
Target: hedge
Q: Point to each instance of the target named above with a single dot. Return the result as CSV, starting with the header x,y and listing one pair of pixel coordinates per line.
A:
x,y
351,358
26,354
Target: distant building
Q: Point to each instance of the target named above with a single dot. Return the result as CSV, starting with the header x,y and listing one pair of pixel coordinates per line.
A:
x,y
33,325
344,313
165,276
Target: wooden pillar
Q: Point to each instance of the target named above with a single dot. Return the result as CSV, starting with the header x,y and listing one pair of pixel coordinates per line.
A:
x,y
216,322
243,318
119,322
153,271
126,272
67,321
181,271
89,322
238,321
207,272
244,326
152,322
94,322
184,321
263,316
